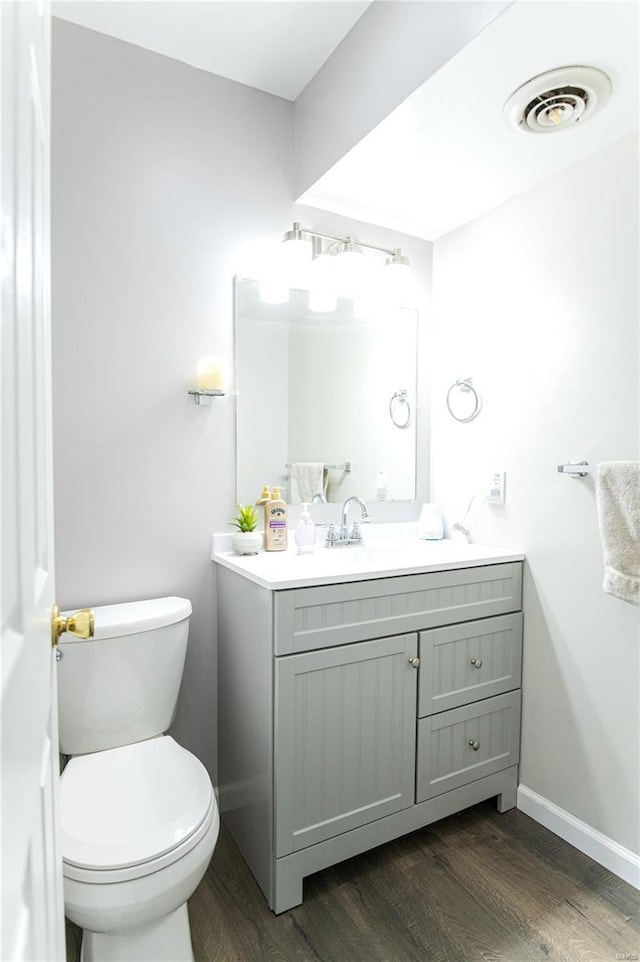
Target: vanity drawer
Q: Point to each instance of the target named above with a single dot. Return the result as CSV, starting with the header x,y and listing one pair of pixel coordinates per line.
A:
x,y
469,661
319,617
459,746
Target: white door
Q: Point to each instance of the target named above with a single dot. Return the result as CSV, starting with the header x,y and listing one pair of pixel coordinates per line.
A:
x,y
32,904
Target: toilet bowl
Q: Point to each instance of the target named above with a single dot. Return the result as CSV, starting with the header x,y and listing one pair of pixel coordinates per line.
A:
x,y
139,819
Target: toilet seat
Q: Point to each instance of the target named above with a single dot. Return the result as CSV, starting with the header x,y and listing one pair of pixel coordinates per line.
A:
x,y
130,811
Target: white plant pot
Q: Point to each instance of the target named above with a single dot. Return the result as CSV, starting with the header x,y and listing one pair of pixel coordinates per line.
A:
x,y
246,542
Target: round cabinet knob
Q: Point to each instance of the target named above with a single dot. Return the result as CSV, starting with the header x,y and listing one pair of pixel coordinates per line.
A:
x,y
476,662
474,745
414,662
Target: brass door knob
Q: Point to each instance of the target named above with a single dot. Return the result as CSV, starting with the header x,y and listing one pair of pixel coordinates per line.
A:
x,y
414,662
476,662
474,744
81,624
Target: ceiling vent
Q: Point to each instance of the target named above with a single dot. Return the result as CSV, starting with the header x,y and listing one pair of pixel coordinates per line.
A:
x,y
557,100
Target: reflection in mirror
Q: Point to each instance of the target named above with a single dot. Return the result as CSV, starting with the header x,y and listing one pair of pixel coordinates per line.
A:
x,y
326,402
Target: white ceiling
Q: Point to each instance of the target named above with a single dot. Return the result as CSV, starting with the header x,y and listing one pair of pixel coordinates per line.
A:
x,y
446,156
443,157
274,46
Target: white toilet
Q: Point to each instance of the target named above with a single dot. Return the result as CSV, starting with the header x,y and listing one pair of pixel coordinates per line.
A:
x,y
138,813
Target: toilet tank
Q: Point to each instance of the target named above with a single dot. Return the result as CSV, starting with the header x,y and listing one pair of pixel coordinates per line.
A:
x,y
121,686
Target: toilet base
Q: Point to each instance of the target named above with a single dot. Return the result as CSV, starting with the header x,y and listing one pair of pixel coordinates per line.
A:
x,y
166,940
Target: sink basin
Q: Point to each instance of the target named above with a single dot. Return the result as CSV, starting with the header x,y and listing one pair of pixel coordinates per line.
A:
x,y
374,552
391,550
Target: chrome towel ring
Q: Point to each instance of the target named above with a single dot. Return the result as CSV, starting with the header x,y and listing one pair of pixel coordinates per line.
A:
x,y
400,409
464,386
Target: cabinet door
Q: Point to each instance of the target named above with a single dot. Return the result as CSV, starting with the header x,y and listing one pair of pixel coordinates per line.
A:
x,y
345,729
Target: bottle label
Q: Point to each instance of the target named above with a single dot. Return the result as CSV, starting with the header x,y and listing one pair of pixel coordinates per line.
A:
x,y
276,519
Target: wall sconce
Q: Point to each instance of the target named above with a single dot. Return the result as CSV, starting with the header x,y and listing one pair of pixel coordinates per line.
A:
x,y
329,266
211,379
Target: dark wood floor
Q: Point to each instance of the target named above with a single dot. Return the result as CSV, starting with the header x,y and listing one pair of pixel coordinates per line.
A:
x,y
477,886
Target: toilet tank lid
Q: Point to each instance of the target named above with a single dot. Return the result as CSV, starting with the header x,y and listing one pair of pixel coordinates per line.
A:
x,y
113,621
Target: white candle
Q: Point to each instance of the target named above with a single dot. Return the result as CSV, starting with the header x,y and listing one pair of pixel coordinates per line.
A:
x,y
211,374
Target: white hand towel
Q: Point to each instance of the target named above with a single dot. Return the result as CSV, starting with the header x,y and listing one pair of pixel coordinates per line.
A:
x,y
618,501
308,478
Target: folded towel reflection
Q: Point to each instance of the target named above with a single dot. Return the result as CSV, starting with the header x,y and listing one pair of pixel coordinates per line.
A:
x,y
618,501
308,478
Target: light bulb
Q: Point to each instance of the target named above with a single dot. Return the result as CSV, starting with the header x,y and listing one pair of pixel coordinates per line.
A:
x,y
322,302
295,257
350,269
322,284
397,279
559,115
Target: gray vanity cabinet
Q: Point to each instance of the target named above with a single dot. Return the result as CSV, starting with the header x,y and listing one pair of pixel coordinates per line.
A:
x,y
345,731
350,714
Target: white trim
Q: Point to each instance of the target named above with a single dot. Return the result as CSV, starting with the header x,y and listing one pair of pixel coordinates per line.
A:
x,y
621,861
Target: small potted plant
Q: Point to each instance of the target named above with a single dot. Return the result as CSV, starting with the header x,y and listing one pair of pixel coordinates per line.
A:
x,y
246,540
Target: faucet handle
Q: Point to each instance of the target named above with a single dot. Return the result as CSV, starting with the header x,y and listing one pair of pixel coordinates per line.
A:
x,y
331,539
356,534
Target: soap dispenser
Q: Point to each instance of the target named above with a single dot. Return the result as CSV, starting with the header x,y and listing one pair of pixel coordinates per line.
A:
x,y
305,532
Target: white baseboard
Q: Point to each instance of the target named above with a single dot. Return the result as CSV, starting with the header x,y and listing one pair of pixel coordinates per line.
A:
x,y
621,861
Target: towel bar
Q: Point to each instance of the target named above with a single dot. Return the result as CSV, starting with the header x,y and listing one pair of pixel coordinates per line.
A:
x,y
577,469
345,466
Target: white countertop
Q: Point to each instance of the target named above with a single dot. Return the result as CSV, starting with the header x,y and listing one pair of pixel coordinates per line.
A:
x,y
389,550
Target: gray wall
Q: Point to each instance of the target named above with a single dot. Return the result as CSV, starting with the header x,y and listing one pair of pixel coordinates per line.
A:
x,y
160,175
538,302
165,181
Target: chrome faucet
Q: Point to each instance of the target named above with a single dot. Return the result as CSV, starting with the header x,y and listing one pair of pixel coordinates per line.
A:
x,y
363,509
343,537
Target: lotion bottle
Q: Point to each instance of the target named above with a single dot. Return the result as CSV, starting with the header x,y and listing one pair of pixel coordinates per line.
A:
x,y
262,502
275,531
305,532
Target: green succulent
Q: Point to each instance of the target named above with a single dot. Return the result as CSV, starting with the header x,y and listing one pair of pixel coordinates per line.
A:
x,y
246,518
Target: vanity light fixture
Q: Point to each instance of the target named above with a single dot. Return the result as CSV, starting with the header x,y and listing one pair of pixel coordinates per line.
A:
x,y
398,262
297,246
397,277
351,268
331,266
296,256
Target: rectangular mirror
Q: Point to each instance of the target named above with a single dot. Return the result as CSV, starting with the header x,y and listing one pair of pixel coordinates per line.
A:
x,y
326,403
